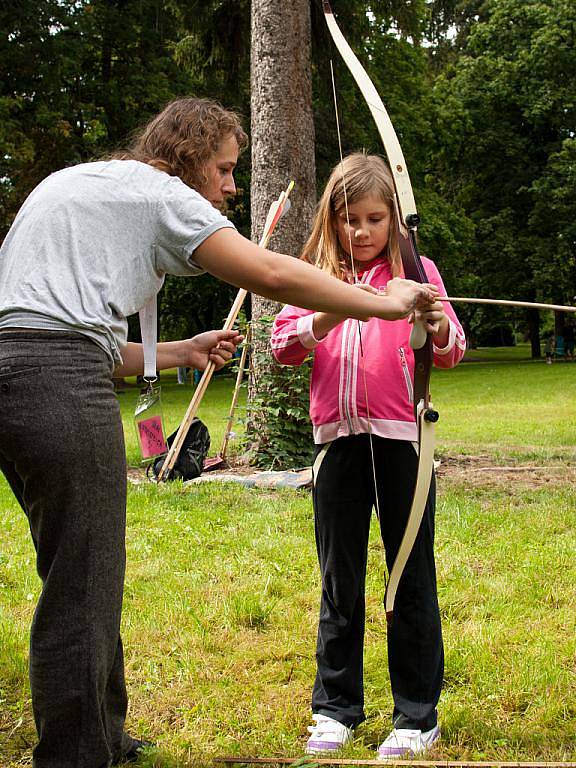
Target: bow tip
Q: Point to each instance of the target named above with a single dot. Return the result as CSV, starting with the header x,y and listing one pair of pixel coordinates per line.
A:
x,y
327,7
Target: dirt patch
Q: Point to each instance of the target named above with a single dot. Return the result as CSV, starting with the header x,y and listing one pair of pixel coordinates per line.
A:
x,y
475,471
485,471
234,466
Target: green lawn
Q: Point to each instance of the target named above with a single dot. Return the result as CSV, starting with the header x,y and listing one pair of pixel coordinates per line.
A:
x,y
222,590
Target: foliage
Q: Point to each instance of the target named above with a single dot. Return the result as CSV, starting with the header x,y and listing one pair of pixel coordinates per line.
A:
x,y
481,93
283,406
552,217
506,111
77,78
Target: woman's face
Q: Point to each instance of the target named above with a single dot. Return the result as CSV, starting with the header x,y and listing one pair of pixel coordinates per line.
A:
x,y
366,228
219,172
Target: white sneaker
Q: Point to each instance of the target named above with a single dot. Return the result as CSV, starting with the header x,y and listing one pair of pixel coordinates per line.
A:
x,y
404,742
327,735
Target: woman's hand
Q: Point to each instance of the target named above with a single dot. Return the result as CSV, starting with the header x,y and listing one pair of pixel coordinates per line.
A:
x,y
410,296
215,346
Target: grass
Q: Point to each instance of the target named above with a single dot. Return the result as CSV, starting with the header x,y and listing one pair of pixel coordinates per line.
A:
x,y
523,410
222,592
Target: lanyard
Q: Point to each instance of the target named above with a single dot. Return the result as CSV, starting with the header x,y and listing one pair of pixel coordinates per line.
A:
x,y
149,332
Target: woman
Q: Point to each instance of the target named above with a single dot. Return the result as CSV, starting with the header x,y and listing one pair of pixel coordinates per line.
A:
x,y
90,246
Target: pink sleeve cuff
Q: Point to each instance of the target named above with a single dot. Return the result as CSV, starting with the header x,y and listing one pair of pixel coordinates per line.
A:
x,y
304,329
451,341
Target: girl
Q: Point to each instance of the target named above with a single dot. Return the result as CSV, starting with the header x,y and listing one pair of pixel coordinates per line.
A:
x,y
89,247
361,401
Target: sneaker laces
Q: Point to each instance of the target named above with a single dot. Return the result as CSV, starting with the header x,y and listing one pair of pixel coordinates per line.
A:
x,y
324,725
412,740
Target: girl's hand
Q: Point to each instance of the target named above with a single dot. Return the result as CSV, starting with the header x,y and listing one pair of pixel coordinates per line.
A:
x,y
434,320
215,346
431,318
410,295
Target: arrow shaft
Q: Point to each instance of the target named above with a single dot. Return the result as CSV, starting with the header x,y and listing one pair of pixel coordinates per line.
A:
x,y
508,303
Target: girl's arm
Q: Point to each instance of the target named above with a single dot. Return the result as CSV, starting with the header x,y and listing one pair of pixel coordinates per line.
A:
x,y
231,257
218,346
449,341
292,338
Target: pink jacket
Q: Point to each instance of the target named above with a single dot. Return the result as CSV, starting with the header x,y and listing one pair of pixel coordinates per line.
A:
x,y
337,390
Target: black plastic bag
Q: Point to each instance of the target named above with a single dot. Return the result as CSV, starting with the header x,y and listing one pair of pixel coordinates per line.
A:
x,y
190,461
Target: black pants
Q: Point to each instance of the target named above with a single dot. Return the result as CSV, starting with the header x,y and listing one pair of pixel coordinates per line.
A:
x,y
62,452
343,502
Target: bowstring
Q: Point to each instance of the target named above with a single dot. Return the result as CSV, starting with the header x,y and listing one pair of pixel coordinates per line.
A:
x,y
355,278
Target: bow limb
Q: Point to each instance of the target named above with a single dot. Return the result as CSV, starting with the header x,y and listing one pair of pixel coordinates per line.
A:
x,y
406,220
406,201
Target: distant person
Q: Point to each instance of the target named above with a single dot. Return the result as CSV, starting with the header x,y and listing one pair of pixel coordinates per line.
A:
x,y
89,247
361,399
549,348
569,339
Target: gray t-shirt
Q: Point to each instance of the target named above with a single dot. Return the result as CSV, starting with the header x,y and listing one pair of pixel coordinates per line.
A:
x,y
92,244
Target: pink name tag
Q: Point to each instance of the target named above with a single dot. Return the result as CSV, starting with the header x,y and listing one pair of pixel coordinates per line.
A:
x,y
151,437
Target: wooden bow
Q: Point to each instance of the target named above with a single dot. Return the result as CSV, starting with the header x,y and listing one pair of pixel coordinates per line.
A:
x,y
406,221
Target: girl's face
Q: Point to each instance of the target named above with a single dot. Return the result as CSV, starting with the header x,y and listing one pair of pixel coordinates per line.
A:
x,y
219,172
367,227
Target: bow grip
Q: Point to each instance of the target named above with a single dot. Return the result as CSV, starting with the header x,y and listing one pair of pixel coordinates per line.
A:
x,y
418,336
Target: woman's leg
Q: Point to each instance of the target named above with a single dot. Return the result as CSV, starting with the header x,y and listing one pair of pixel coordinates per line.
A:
x,y
62,446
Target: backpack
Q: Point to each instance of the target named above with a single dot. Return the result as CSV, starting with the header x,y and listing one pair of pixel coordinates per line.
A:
x,y
194,450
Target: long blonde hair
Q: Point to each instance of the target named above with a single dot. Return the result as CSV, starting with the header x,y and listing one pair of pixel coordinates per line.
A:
x,y
363,175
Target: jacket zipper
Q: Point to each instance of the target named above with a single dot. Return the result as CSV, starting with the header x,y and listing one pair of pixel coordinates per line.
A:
x,y
349,372
407,377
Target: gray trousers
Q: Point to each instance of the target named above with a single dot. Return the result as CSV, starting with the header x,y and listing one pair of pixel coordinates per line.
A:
x,y
62,452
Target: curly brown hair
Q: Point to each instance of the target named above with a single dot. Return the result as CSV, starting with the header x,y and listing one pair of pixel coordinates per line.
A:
x,y
182,138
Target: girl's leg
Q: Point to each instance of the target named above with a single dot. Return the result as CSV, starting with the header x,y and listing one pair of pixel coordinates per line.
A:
x,y
415,648
62,449
343,497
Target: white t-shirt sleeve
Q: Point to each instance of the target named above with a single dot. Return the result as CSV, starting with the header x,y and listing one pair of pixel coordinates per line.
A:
x,y
185,220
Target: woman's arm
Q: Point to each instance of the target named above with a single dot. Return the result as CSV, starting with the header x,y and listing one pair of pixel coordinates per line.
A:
x,y
324,322
231,257
218,346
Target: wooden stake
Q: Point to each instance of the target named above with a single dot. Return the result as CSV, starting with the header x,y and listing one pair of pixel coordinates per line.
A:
x,y
239,377
304,762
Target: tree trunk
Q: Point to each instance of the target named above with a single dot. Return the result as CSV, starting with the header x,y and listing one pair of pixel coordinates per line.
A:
x,y
282,151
